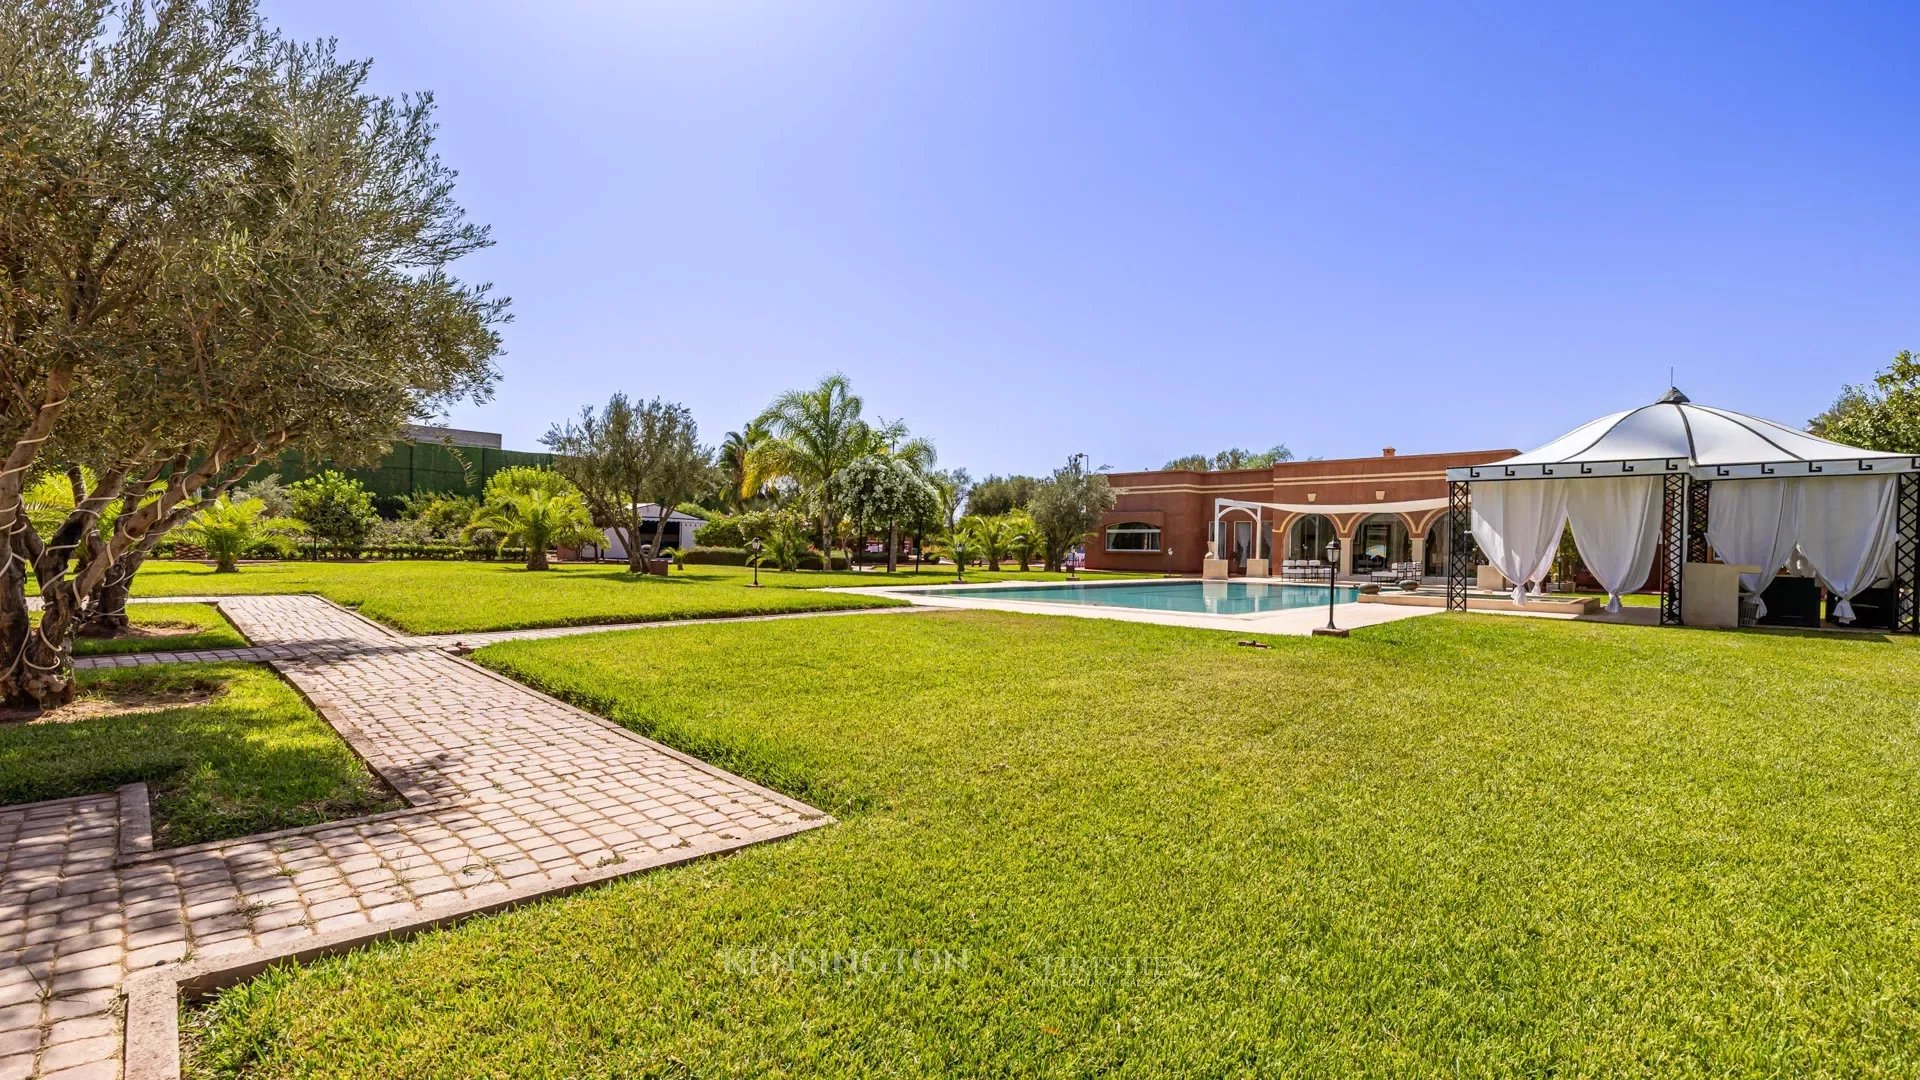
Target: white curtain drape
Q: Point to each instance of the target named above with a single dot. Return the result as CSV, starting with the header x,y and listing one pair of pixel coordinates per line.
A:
x,y
1616,526
1847,533
1517,524
1755,523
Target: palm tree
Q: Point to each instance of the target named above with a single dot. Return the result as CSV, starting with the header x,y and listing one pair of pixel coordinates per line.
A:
x,y
537,508
994,535
1024,538
736,451
227,529
961,542
811,436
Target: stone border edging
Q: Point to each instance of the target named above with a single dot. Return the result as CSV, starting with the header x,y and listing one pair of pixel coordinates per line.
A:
x,y
153,997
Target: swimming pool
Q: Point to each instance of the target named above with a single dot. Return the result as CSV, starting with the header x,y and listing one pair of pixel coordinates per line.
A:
x,y
1196,597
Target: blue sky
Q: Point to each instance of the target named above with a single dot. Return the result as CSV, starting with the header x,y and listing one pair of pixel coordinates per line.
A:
x,y
1142,230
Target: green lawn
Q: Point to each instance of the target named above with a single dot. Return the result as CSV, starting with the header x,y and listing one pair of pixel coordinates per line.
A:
x,y
430,597
1450,845
186,626
252,759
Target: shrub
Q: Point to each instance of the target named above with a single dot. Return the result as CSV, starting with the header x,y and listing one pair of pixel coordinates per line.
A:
x,y
274,547
336,509
721,532
273,495
715,556
736,530
537,509
229,530
811,561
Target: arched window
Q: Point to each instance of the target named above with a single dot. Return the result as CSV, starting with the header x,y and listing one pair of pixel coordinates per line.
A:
x,y
1133,536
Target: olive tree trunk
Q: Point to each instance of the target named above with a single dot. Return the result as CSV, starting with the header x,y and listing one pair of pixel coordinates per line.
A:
x,y
104,614
38,671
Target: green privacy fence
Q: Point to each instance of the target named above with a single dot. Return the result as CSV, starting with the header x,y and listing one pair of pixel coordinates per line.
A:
x,y
414,468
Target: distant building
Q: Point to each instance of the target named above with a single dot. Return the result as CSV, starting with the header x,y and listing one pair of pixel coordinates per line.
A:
x,y
447,436
1386,510
431,460
679,534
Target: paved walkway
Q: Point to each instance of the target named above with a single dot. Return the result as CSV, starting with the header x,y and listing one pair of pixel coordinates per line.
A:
x,y
511,793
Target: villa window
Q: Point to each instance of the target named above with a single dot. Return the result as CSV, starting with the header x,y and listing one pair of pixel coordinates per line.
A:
x,y
1133,536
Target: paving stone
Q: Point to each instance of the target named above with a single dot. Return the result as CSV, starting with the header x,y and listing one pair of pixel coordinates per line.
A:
x,y
524,788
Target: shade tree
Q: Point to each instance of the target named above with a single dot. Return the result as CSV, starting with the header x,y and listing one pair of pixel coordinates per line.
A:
x,y
1882,415
220,246
1067,507
625,456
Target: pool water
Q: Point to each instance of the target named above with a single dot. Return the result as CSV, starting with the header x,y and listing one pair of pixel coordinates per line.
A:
x,y
1197,597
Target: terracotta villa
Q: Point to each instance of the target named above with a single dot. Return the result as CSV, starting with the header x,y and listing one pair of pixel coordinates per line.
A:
x,y
1387,510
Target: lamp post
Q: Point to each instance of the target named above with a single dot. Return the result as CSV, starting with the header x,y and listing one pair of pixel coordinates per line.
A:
x,y
755,545
1333,568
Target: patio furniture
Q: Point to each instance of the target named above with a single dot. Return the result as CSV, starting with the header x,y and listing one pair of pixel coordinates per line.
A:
x,y
1873,609
1791,601
1711,594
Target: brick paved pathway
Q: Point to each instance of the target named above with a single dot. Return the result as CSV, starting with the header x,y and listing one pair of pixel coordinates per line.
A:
x,y
510,790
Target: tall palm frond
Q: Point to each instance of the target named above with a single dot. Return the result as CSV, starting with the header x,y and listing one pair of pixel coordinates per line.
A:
x,y
811,435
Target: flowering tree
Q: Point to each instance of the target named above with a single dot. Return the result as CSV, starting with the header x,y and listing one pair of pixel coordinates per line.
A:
x,y
879,493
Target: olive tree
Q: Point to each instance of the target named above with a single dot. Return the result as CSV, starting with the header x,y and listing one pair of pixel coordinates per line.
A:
x,y
1067,507
219,246
611,456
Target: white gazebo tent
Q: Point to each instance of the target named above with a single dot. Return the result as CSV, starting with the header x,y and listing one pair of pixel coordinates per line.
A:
x,y
1683,480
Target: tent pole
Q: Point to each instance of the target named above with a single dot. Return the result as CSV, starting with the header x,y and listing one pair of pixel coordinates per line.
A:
x,y
1673,535
1906,555
1459,547
1699,511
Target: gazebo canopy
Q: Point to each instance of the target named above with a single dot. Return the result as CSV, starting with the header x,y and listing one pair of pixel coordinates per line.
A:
x,y
1673,434
1634,483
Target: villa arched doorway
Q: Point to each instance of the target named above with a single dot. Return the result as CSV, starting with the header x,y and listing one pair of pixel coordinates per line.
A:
x,y
1308,537
1379,542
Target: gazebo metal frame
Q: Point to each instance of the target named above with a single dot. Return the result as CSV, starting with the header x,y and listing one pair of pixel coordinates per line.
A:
x,y
1686,502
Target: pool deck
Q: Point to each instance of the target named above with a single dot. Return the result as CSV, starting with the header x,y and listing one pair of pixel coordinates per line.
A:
x,y
1296,621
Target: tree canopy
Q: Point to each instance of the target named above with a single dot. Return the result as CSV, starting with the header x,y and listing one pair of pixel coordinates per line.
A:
x,y
1232,458
1882,416
626,456
1067,507
997,495
220,246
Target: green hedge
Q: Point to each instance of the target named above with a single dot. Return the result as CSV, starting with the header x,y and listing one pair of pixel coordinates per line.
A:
x,y
715,556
